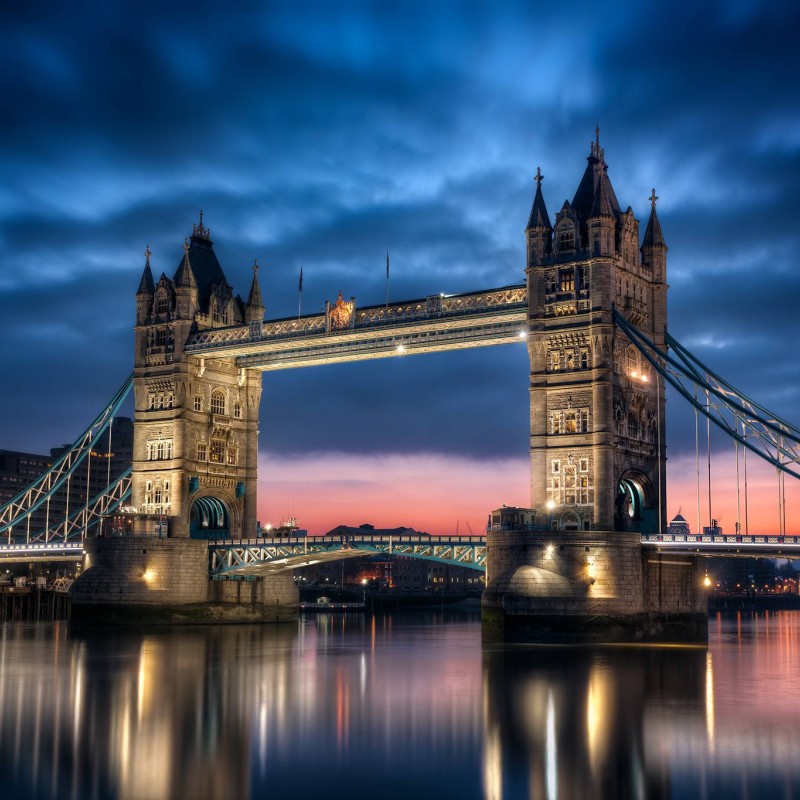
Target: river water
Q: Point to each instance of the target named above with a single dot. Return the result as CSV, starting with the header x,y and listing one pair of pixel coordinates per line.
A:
x,y
407,705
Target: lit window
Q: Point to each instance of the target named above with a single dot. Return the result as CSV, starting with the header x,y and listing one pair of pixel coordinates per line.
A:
x,y
233,454
566,280
215,455
632,360
555,361
218,401
570,422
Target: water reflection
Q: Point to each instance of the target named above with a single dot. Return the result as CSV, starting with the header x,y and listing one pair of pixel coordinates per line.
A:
x,y
396,706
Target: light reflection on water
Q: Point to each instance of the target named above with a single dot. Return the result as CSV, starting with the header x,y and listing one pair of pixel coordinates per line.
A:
x,y
405,705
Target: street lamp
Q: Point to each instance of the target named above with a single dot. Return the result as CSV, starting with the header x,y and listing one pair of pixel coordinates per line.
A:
x,y
550,506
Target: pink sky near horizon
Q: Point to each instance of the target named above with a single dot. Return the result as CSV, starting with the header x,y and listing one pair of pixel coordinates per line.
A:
x,y
437,493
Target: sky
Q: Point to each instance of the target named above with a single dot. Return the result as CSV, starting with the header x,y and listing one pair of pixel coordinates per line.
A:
x,y
325,134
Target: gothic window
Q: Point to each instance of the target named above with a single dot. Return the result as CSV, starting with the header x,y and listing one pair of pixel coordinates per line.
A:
x,y
233,455
148,492
584,356
570,484
583,493
551,282
157,497
566,280
566,239
237,410
218,401
569,360
161,337
201,451
165,499
198,402
633,425
162,303
151,401
217,451
555,360
632,361
555,423
584,421
583,465
570,422
215,311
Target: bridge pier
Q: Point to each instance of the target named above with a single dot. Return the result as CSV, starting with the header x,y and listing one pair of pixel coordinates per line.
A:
x,y
149,580
589,586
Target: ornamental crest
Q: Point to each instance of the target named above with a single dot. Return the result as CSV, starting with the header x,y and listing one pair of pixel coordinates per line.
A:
x,y
340,315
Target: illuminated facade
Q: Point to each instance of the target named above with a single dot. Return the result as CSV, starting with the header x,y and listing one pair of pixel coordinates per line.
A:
x,y
597,407
196,422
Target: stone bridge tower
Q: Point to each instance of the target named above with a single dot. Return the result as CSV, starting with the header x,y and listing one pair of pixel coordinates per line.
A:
x,y
597,407
195,460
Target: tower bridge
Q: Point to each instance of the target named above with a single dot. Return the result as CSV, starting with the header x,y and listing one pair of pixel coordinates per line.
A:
x,y
592,313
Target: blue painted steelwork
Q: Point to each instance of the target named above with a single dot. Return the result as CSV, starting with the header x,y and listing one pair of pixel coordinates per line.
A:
x,y
262,556
742,419
17,510
209,518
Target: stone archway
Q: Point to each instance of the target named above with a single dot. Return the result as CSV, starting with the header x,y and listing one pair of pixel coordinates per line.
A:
x,y
634,505
209,518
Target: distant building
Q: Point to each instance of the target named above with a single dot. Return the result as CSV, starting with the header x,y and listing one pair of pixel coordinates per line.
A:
x,y
679,525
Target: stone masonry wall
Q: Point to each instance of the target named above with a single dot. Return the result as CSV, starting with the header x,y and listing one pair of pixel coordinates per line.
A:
x,y
143,571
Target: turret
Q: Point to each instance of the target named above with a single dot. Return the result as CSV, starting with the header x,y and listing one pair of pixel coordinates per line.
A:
x,y
254,308
145,292
186,287
539,232
654,248
602,220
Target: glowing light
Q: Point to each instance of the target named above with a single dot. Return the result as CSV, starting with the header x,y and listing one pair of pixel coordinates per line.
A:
x,y
148,576
364,581
706,581
550,505
549,550
401,348
522,334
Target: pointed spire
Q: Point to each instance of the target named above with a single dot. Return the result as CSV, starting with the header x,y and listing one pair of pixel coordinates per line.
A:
x,y
539,217
602,205
254,299
185,278
596,170
146,285
653,237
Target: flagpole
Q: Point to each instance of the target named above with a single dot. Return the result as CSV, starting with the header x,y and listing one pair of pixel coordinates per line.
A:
x,y
300,293
387,279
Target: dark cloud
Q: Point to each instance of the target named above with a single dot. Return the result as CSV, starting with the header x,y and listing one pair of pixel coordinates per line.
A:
x,y
325,134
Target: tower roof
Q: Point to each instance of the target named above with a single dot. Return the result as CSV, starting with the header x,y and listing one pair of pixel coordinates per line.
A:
x,y
146,285
184,277
254,299
596,174
653,235
203,264
602,205
539,217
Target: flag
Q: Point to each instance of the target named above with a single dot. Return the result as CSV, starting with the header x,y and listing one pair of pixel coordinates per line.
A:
x,y
300,288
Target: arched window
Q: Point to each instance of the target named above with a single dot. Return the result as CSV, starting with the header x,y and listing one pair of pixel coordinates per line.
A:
x,y
218,401
237,410
566,239
162,303
198,402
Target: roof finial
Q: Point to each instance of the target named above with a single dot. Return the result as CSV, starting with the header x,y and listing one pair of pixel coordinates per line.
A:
x,y
538,177
147,254
653,198
596,141
255,266
199,229
186,245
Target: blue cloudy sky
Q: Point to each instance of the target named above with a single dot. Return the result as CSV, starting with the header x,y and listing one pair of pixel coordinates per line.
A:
x,y
326,133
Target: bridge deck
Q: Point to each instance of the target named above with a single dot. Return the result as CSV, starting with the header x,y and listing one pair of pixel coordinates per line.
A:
x,y
476,319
